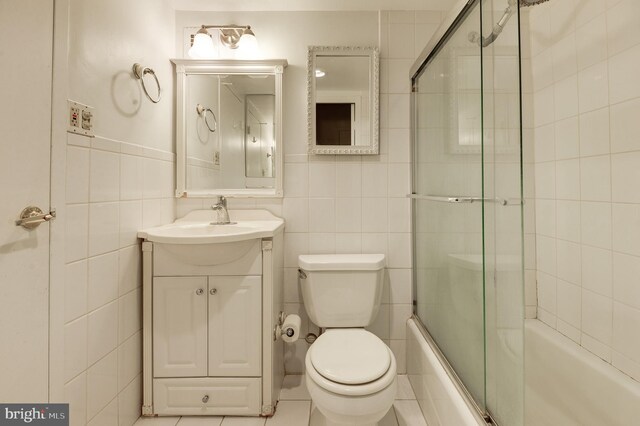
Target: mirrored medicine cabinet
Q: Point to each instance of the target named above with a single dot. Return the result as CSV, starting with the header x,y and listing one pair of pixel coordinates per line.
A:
x,y
229,128
343,100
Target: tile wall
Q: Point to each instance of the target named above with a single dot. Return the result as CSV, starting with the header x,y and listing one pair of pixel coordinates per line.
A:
x,y
344,204
107,188
586,105
113,189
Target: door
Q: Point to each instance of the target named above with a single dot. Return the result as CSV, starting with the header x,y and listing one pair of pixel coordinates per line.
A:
x,y
179,326
235,318
26,37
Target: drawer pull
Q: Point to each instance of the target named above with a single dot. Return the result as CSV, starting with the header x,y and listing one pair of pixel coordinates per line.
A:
x,y
199,292
213,291
205,399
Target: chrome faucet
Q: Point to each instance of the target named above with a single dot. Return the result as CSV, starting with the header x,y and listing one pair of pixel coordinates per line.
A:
x,y
220,207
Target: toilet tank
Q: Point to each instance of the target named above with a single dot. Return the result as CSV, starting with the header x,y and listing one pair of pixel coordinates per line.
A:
x,y
341,290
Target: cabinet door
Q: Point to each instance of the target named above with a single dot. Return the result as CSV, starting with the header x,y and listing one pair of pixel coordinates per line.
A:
x,y
235,318
179,326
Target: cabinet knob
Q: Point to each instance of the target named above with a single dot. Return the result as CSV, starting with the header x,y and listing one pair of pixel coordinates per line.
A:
x,y
205,399
213,291
199,291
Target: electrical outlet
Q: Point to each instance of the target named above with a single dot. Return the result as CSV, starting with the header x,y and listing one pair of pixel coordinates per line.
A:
x,y
80,118
216,158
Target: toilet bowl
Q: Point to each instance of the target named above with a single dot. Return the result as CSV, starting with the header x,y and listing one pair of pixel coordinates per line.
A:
x,y
351,377
350,372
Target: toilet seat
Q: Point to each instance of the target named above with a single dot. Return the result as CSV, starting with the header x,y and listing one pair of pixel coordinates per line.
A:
x,y
350,362
351,356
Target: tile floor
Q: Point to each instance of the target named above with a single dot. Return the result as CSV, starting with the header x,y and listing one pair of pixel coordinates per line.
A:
x,y
295,409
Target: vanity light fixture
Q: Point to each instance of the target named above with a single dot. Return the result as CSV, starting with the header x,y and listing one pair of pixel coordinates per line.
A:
x,y
320,73
231,36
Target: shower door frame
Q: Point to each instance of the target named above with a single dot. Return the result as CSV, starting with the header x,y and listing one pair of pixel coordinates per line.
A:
x,y
450,24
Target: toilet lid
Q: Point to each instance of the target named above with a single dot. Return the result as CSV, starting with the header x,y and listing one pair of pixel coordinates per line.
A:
x,y
350,356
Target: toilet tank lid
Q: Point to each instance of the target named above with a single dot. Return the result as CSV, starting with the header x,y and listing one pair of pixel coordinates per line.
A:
x,y
341,262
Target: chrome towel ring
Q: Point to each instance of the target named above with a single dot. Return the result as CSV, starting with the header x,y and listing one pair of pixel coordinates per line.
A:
x,y
202,112
139,72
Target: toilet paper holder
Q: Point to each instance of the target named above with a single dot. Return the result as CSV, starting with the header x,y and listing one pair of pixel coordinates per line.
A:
x,y
280,330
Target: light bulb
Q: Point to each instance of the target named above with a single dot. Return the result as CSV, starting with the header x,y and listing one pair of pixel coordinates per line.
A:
x,y
320,73
248,45
202,46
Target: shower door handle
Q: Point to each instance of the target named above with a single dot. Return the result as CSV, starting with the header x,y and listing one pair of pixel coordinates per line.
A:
x,y
458,200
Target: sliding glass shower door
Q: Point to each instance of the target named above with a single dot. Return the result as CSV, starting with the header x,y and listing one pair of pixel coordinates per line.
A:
x,y
467,208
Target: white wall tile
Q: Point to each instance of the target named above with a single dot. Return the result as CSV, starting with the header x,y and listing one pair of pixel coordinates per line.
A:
x,y
348,179
597,313
75,290
566,98
129,314
103,280
130,222
569,266
76,232
129,269
625,126
104,176
626,323
102,383
545,143
568,179
567,220
626,273
102,330
374,180
296,179
596,224
129,360
594,132
75,393
320,243
131,177
626,228
77,190
595,178
564,57
75,348
623,31
296,214
104,231
591,42
567,140
348,214
129,403
623,78
625,175
322,215
322,179
593,85
597,272
569,303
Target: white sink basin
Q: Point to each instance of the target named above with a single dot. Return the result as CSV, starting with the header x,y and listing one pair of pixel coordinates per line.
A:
x,y
196,228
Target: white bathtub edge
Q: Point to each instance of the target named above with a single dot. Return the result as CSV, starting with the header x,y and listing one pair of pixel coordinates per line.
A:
x,y
440,401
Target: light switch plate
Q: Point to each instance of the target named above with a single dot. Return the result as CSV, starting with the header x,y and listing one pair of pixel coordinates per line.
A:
x,y
81,118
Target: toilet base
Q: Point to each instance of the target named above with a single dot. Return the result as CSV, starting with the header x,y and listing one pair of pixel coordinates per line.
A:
x,y
318,419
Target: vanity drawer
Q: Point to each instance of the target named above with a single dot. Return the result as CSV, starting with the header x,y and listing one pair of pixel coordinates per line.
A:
x,y
233,258
207,396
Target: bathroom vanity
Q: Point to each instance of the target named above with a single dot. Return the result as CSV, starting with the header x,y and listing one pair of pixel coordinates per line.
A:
x,y
212,296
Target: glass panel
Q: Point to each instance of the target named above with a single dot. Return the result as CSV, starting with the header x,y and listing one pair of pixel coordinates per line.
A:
x,y
448,235
503,224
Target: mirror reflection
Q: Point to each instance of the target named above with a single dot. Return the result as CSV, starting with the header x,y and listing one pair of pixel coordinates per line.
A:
x,y
343,100
230,131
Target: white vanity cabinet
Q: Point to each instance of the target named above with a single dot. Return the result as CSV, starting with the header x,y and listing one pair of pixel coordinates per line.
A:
x,y
209,311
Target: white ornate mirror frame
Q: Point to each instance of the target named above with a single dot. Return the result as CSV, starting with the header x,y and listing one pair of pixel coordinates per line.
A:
x,y
372,54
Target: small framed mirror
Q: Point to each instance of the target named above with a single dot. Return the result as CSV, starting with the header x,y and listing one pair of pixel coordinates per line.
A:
x,y
343,100
229,128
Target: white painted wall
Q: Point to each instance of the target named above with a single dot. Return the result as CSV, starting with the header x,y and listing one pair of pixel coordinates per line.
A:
x,y
107,188
586,103
346,204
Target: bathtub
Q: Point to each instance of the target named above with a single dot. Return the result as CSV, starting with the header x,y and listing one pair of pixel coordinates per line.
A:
x,y
567,385
564,384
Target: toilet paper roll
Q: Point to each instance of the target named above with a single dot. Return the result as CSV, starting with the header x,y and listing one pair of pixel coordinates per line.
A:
x,y
291,328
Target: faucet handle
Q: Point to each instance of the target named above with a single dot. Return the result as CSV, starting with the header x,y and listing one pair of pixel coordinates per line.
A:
x,y
221,201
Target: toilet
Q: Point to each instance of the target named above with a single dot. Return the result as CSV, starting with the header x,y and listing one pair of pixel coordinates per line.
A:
x,y
350,372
